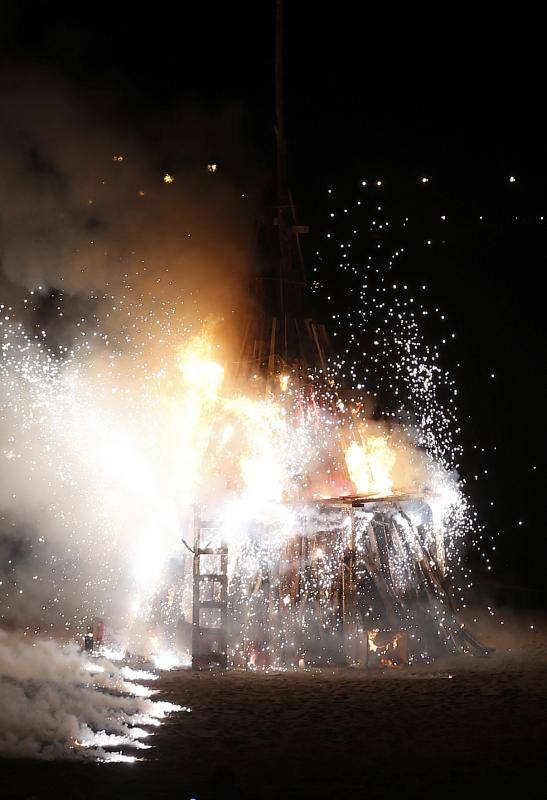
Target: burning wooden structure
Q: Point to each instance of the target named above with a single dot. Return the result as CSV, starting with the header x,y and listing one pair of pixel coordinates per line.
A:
x,y
362,582
358,579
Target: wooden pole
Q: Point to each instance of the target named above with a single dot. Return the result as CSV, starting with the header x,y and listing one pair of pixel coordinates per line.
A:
x,y
284,245
282,190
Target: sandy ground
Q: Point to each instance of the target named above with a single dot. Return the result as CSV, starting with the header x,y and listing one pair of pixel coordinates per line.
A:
x,y
461,728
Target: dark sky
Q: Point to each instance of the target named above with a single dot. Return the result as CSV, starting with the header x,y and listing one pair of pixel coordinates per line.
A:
x,y
366,82
456,94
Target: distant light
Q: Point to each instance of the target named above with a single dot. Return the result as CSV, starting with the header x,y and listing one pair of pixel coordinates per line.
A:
x,y
168,178
363,183
117,158
211,167
425,180
443,216
512,179
378,183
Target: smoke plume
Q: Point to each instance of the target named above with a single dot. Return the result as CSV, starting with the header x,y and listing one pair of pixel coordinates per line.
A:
x,y
85,206
56,703
105,263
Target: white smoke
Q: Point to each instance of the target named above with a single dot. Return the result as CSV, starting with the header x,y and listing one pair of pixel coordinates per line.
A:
x,y
100,260
55,702
83,203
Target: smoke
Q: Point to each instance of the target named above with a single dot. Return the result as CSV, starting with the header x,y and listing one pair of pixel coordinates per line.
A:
x,y
56,703
84,207
104,268
91,505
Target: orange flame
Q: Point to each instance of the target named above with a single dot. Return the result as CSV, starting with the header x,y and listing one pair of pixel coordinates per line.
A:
x,y
199,371
370,465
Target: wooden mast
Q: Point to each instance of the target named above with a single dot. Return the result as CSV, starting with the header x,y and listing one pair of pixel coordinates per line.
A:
x,y
292,279
282,334
281,140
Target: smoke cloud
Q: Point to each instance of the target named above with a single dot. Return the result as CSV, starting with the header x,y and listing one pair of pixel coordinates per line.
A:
x,y
56,703
84,206
103,266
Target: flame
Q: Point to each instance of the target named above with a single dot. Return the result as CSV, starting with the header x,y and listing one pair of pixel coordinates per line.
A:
x,y
190,413
388,646
199,371
370,465
261,464
216,430
284,382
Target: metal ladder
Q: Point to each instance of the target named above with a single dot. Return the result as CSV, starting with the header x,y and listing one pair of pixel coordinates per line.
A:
x,y
210,599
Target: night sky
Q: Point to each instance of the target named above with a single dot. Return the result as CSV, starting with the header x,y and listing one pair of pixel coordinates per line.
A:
x,y
456,96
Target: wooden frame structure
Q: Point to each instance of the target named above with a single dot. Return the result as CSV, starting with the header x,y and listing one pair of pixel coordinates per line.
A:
x,y
364,584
